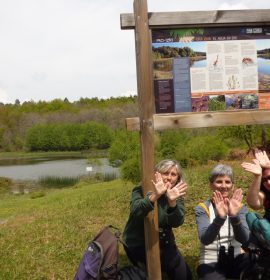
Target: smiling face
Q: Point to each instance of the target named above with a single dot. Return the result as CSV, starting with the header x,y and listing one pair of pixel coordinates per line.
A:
x,y
170,176
266,179
224,185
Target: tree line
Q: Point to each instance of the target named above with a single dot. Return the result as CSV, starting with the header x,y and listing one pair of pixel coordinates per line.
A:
x,y
68,137
190,147
17,121
95,123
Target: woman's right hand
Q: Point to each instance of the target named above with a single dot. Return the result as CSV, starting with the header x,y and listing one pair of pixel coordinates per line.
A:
x,y
160,187
254,168
221,204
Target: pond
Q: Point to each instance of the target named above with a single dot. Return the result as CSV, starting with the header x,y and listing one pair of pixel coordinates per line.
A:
x,y
29,169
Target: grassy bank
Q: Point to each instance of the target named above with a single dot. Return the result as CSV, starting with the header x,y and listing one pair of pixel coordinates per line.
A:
x,y
63,154
44,238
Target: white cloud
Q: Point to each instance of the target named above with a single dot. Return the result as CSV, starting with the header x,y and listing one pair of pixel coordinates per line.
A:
x,y
228,6
3,96
128,93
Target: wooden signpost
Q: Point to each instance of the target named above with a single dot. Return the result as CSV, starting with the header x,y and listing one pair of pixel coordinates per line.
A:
x,y
255,23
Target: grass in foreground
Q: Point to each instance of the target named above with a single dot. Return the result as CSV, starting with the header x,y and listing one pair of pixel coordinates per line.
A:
x,y
44,238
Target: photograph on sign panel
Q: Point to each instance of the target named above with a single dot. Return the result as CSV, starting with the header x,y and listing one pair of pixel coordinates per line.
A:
x,y
230,65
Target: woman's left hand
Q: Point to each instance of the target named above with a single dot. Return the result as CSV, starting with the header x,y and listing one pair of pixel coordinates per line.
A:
x,y
175,192
263,159
235,202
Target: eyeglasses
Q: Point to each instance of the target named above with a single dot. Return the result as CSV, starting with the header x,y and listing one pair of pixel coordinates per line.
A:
x,y
265,179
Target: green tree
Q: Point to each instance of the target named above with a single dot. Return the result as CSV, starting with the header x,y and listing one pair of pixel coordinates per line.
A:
x,y
198,150
126,145
97,135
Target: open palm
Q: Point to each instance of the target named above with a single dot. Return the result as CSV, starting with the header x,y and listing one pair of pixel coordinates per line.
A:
x,y
235,202
221,204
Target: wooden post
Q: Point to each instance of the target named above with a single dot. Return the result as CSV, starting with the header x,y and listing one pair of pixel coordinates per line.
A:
x,y
146,107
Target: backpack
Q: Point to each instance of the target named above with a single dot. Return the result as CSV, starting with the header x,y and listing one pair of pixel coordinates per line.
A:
x,y
100,260
260,227
132,273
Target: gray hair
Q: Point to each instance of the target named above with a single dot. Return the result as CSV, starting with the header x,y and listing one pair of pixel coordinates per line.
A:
x,y
166,164
221,170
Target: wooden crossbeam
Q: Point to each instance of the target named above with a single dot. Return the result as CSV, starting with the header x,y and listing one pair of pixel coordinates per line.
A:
x,y
202,119
200,18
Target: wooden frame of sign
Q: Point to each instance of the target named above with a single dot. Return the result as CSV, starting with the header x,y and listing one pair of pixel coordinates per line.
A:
x,y
148,121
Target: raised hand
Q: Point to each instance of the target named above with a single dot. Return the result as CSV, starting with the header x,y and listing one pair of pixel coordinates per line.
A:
x,y
254,168
174,192
263,159
160,187
235,203
222,204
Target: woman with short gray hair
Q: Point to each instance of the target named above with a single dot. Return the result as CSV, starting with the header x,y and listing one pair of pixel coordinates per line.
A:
x,y
221,170
222,228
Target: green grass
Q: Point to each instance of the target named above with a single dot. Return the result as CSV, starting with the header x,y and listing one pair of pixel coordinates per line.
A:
x,y
57,182
44,237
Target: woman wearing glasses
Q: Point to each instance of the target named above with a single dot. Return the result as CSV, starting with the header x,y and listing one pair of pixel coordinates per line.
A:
x,y
258,195
169,192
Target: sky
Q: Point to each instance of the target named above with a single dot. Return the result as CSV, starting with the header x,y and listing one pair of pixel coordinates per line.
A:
x,y
75,48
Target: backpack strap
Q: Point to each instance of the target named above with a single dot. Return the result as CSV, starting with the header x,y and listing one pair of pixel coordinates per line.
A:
x,y
118,234
202,204
116,230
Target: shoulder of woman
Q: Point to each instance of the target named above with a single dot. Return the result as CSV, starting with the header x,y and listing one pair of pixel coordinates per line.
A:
x,y
205,203
203,206
137,189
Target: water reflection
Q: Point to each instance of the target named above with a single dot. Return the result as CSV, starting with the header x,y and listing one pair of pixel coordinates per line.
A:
x,y
30,169
264,65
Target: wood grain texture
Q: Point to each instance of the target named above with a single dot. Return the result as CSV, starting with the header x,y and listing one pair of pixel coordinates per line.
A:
x,y
203,119
200,18
146,111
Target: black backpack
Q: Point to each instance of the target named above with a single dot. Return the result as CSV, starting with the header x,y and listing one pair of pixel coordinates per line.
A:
x,y
100,260
132,273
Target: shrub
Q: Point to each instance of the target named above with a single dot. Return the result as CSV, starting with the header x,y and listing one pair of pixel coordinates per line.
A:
x,y
130,170
200,150
37,194
169,140
97,135
5,184
126,145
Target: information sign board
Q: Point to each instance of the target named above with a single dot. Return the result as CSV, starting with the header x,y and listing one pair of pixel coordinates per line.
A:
x,y
211,68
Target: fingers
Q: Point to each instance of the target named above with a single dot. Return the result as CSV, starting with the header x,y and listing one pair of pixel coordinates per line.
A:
x,y
247,165
181,185
256,161
158,177
238,194
227,201
260,154
265,155
177,191
217,197
254,168
182,188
